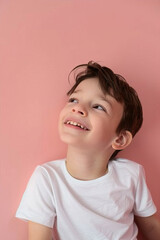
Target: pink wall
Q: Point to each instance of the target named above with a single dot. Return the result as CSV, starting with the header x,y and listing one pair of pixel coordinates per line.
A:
x,y
40,41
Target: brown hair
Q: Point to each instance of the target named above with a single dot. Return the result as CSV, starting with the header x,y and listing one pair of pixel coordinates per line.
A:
x,y
116,86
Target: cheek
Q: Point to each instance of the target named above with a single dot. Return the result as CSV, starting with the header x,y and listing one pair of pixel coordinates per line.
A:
x,y
103,135
62,114
60,120
104,129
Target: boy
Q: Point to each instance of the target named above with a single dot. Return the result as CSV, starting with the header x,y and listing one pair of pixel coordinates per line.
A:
x,y
90,195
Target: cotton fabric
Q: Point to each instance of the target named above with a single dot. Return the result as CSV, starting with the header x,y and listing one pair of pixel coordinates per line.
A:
x,y
99,209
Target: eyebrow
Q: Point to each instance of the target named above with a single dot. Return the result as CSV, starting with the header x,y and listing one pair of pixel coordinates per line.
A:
x,y
98,96
105,100
75,91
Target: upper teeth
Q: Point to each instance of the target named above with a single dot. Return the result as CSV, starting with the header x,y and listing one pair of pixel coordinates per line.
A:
x,y
76,124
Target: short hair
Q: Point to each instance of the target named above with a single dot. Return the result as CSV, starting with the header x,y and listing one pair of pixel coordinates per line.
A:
x,y
116,86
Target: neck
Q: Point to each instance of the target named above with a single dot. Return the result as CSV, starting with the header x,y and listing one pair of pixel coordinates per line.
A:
x,y
85,165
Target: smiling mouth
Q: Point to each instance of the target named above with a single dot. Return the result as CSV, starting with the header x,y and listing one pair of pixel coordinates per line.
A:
x,y
77,125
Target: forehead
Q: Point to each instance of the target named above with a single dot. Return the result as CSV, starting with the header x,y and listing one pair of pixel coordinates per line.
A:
x,y
91,88
92,84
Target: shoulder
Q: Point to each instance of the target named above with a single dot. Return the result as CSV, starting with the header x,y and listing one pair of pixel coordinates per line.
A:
x,y
55,164
49,170
126,168
125,163
51,166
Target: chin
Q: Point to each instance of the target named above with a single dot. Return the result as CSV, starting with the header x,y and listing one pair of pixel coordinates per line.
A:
x,y
66,138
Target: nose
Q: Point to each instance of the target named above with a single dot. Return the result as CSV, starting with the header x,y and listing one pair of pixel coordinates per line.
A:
x,y
80,110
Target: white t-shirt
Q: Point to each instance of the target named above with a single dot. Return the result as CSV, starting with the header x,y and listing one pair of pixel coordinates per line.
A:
x,y
99,209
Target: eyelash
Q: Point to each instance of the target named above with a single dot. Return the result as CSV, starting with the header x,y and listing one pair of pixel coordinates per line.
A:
x,y
101,107
72,100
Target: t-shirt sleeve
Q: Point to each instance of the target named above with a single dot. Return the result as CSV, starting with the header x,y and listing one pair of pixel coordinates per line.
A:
x,y
37,204
144,205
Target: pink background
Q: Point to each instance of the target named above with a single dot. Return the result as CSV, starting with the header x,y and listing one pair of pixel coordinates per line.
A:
x,y
40,42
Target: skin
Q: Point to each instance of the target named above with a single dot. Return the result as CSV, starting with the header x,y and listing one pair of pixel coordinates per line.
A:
x,y
39,232
91,145
149,226
89,150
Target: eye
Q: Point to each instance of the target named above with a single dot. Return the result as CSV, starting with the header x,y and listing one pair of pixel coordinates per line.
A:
x,y
99,107
72,100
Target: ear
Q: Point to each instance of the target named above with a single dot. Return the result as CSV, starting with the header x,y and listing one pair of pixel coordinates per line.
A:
x,y
122,140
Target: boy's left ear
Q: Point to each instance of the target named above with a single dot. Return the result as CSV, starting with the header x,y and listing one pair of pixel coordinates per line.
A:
x,y
122,140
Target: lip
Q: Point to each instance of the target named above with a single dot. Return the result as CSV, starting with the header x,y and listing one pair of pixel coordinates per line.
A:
x,y
79,121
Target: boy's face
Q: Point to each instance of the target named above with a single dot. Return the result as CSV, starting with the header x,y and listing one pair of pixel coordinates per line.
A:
x,y
90,118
